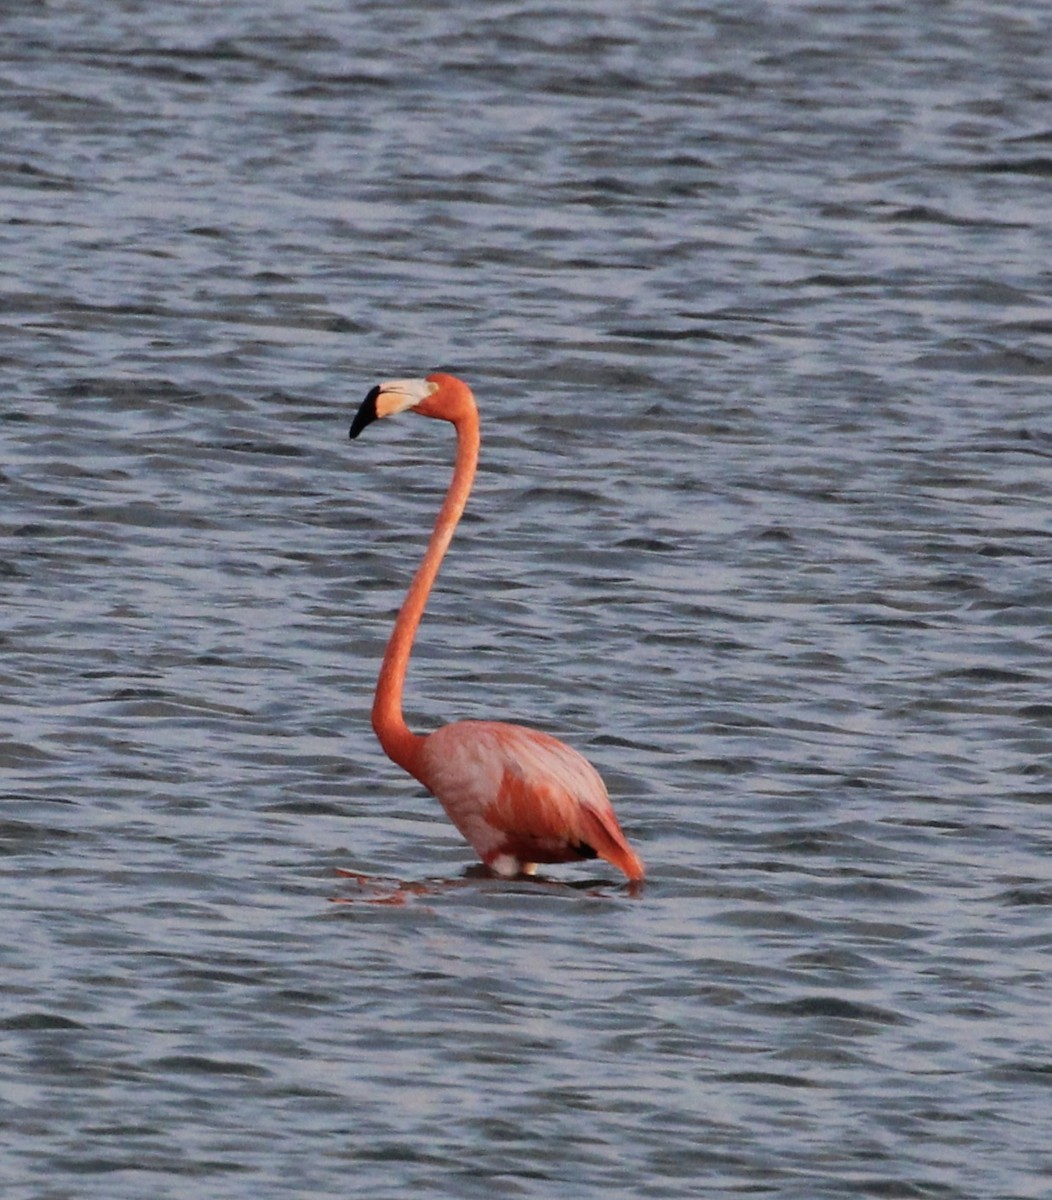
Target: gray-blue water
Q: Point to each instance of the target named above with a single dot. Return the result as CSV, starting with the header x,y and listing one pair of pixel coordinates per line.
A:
x,y
757,302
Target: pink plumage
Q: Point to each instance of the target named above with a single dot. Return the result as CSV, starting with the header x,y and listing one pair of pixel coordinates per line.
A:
x,y
519,797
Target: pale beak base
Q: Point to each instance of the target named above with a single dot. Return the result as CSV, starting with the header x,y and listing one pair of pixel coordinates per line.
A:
x,y
386,399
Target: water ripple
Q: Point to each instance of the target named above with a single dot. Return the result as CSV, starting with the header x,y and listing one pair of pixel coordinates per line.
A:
x,y
754,304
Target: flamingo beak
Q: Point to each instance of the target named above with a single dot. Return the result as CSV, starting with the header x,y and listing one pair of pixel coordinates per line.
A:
x,y
386,399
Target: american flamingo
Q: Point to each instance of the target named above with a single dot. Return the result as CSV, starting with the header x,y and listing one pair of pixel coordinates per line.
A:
x,y
519,797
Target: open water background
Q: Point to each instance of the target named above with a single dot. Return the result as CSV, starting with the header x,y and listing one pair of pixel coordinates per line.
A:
x,y
756,301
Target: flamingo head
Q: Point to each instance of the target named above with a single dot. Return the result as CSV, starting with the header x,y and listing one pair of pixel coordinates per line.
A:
x,y
438,395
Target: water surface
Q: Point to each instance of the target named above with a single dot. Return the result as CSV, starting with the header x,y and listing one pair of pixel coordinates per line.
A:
x,y
755,299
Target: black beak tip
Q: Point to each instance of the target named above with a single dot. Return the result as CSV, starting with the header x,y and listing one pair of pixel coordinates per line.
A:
x,y
366,414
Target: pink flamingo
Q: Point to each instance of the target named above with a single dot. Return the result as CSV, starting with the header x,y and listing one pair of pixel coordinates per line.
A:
x,y
519,797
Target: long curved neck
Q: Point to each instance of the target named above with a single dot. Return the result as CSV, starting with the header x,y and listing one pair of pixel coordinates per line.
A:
x,y
399,742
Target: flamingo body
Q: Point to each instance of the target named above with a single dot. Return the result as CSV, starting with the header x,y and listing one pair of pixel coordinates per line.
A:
x,y
519,797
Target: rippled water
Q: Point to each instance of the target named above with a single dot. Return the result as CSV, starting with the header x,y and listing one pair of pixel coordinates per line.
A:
x,y
756,301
